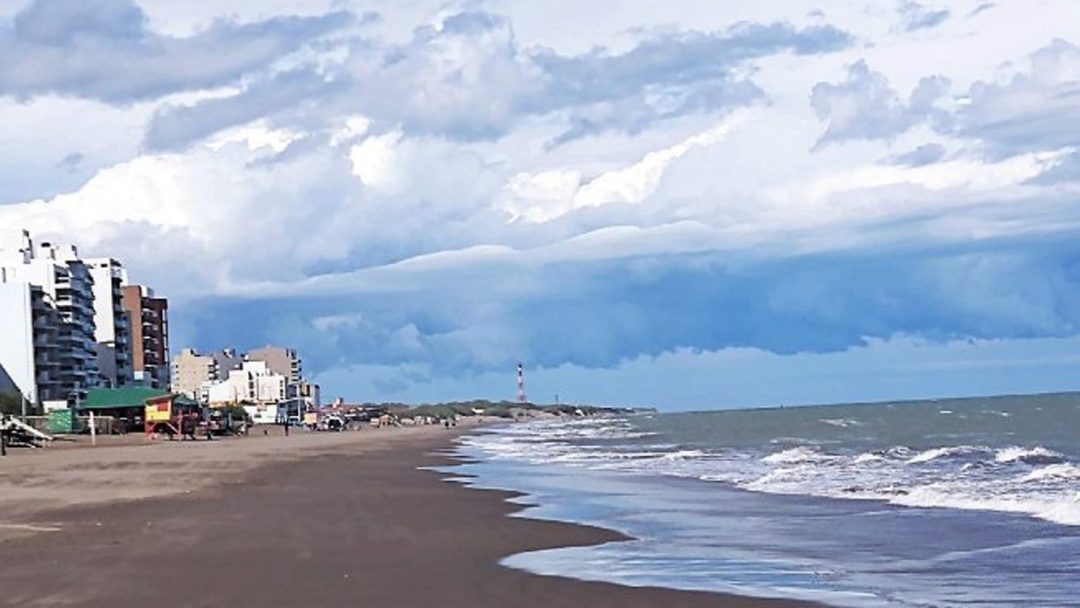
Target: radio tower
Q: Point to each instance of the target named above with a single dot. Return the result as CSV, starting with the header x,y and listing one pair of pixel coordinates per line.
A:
x,y
521,384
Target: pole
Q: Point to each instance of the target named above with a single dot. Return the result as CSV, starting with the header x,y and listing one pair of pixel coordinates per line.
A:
x,y
93,430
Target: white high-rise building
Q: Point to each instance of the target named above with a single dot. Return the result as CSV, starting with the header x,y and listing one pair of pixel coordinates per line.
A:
x,y
112,323
29,350
47,320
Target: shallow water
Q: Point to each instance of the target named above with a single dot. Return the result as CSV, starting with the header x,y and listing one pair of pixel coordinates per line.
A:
x,y
829,503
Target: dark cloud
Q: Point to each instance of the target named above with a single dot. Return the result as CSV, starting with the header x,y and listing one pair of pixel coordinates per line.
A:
x,y
71,162
62,23
671,75
597,314
915,16
174,127
102,49
469,79
1035,110
865,106
923,155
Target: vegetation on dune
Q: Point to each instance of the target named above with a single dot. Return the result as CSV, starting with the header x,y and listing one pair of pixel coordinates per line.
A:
x,y
483,407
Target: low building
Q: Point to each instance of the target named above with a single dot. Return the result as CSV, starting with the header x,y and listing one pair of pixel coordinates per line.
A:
x,y
266,413
311,393
128,405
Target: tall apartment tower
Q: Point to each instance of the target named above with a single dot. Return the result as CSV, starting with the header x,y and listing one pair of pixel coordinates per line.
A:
x,y
47,320
112,324
149,336
29,351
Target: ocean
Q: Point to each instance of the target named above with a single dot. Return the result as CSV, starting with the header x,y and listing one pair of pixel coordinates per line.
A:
x,y
953,502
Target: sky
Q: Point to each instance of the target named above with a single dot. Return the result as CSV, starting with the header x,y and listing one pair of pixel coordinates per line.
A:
x,y
688,205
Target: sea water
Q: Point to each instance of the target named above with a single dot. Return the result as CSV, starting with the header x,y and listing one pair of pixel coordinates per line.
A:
x,y
933,503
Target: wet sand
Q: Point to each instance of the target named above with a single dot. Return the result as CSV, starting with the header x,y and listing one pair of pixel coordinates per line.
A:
x,y
325,520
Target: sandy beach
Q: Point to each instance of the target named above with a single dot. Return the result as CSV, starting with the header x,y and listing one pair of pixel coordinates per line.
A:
x,y
314,519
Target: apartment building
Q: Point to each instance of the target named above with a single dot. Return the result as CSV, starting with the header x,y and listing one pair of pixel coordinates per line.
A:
x,y
228,360
280,360
29,351
311,394
47,319
112,323
192,373
149,336
255,383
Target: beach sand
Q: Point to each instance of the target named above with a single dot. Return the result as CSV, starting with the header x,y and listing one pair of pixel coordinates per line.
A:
x,y
315,519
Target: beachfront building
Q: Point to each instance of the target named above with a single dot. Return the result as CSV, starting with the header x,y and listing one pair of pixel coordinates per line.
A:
x,y
228,360
311,394
46,320
279,360
255,387
192,372
29,351
112,323
149,336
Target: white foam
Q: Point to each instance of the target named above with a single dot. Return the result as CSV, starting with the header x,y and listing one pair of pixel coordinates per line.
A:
x,y
1035,455
1035,480
868,457
840,422
936,453
1052,473
797,455
684,455
1061,509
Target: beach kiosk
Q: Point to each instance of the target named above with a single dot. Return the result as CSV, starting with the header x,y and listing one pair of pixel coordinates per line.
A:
x,y
125,406
167,413
136,408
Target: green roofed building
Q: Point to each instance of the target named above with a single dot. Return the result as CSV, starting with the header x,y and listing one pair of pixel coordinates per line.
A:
x,y
128,405
118,398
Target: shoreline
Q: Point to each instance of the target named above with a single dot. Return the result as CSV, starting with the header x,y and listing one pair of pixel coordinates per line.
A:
x,y
335,522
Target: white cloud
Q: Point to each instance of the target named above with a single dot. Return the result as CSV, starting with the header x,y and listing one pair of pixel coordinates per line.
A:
x,y
373,160
969,174
547,195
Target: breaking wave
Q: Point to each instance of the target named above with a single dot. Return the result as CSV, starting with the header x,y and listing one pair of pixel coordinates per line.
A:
x,y
1033,480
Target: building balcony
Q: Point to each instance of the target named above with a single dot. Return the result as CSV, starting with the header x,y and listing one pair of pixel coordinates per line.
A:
x,y
44,341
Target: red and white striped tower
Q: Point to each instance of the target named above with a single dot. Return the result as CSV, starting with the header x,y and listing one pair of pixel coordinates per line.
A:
x,y
521,383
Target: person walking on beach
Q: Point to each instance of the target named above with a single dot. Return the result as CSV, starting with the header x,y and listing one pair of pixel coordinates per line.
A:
x,y
192,425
